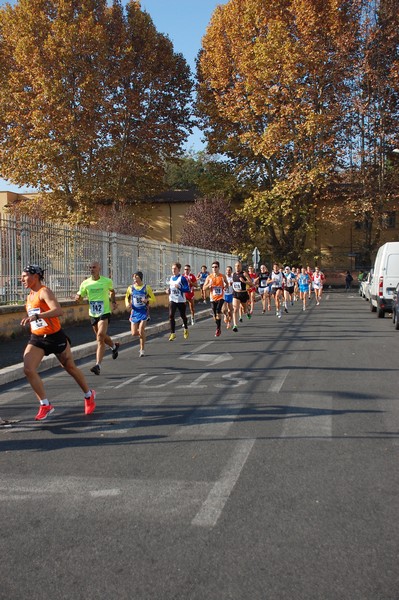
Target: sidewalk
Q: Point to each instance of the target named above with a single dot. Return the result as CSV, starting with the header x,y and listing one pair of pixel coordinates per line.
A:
x,y
83,341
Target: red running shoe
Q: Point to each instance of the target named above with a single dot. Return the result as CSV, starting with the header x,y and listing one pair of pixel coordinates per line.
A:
x,y
217,333
90,403
44,412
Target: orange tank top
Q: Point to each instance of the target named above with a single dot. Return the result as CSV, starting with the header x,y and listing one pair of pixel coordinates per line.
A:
x,y
217,287
35,306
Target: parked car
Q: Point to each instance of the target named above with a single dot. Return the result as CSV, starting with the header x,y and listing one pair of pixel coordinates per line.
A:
x,y
385,278
361,284
395,307
365,286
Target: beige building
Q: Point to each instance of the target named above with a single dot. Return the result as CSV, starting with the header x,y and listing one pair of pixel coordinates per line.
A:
x,y
165,212
336,243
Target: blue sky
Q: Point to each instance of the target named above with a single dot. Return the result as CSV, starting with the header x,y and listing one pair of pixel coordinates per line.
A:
x,y
184,22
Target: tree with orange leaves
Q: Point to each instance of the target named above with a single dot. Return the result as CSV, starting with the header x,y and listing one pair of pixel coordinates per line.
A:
x,y
274,87
92,101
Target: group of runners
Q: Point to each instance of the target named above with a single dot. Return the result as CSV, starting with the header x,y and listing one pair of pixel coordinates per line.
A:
x,y
232,296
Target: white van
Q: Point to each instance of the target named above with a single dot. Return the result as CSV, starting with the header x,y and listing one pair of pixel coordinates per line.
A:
x,y
385,278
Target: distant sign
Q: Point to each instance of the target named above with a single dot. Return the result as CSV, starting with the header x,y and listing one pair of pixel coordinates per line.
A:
x,y
256,257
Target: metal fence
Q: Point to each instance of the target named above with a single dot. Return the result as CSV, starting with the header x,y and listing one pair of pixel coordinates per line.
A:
x,y
65,253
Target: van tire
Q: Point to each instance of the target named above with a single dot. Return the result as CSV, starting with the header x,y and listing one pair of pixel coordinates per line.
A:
x,y
381,313
372,307
397,325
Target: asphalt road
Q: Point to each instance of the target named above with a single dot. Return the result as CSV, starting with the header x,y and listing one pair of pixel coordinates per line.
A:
x,y
259,465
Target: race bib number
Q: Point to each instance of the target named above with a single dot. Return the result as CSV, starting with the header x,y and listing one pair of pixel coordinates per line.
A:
x,y
35,325
97,308
138,301
217,291
174,291
263,283
237,286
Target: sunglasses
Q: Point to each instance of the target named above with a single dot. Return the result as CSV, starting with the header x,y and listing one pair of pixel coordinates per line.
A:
x,y
33,270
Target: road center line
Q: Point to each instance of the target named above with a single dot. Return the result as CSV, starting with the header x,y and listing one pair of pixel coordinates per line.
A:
x,y
213,506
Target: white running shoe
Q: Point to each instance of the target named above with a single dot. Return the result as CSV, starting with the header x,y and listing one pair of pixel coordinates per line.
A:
x,y
192,320
141,353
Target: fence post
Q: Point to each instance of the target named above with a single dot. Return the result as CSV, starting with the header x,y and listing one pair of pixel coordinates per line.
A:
x,y
113,258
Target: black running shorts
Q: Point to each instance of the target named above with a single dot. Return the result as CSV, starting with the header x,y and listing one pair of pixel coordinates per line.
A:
x,y
217,306
53,343
241,296
95,320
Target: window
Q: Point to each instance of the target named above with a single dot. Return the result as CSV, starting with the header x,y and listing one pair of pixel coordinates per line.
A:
x,y
389,219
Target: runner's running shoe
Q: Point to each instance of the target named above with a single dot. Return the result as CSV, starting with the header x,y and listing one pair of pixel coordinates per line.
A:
x,y
44,412
115,351
249,315
141,353
90,403
235,328
217,333
185,334
96,369
172,337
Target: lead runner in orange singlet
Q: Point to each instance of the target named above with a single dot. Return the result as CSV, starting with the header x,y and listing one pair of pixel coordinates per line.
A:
x,y
47,337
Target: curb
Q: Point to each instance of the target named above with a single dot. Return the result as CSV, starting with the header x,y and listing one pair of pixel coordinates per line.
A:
x,y
16,372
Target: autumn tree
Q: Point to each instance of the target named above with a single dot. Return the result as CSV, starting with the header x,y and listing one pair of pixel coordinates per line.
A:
x,y
211,223
93,100
272,94
205,175
372,129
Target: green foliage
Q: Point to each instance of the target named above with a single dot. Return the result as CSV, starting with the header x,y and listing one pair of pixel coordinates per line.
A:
x,y
205,175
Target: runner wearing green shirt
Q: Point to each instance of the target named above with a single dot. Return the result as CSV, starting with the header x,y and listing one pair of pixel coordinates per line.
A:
x,y
100,293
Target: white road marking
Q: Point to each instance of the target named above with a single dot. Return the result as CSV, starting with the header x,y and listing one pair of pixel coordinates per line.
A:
x,y
199,348
213,506
153,499
128,381
176,377
195,383
211,359
277,382
105,493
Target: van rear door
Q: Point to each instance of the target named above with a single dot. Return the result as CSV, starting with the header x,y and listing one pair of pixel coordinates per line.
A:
x,y
391,275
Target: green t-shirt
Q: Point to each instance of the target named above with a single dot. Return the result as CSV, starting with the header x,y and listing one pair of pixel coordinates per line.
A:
x,y
97,292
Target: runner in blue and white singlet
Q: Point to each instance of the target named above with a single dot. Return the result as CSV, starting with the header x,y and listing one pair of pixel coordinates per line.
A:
x,y
138,298
304,284
227,308
178,286
276,281
289,287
